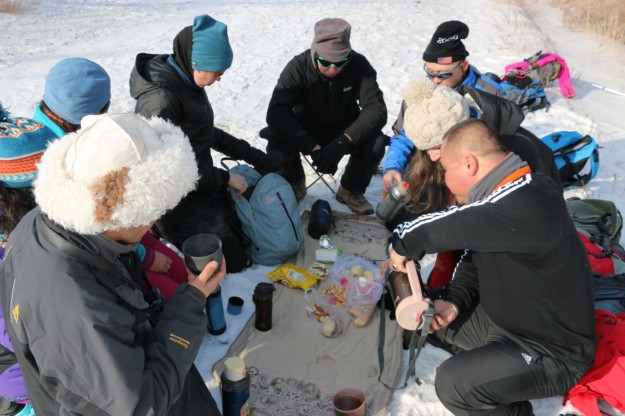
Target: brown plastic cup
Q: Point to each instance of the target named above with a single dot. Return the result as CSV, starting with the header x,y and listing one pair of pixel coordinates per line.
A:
x,y
349,402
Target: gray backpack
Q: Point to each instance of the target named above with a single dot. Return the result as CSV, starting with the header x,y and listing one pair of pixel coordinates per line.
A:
x,y
269,216
597,217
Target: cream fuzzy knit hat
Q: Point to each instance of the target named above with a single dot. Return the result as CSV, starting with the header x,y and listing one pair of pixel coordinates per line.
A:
x,y
118,171
431,110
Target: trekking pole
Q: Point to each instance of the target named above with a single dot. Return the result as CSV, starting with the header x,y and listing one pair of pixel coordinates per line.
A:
x,y
601,87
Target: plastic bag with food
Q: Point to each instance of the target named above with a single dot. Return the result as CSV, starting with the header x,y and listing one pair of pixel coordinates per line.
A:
x,y
363,284
330,321
349,266
361,279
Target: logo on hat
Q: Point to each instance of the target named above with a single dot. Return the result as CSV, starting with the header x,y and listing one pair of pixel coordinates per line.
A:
x,y
445,40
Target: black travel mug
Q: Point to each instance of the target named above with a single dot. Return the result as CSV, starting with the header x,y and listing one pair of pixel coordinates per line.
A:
x,y
263,299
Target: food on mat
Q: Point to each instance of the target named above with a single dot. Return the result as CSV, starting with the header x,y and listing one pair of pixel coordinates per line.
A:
x,y
328,324
319,269
357,270
362,314
334,295
369,275
318,312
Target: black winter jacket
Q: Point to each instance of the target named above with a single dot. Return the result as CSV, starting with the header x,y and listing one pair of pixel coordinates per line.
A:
x,y
161,91
524,263
307,108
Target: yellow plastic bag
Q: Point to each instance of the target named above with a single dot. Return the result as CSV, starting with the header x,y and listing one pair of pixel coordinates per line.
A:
x,y
293,276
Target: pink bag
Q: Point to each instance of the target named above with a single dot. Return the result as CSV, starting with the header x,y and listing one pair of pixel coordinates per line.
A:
x,y
545,67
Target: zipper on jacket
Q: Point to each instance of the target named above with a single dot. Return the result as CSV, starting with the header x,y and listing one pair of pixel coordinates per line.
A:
x,y
286,211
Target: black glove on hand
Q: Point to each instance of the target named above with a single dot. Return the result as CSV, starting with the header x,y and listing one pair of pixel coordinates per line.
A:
x,y
327,159
273,161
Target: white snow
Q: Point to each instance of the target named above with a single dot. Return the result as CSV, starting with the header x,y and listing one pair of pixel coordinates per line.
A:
x,y
266,34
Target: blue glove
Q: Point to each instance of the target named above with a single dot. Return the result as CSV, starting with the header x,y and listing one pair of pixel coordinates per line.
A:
x,y
327,159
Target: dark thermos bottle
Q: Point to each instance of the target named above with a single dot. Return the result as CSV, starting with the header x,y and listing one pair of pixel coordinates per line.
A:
x,y
263,299
235,388
215,313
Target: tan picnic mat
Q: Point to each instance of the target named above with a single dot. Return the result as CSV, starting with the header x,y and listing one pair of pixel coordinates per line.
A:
x,y
294,369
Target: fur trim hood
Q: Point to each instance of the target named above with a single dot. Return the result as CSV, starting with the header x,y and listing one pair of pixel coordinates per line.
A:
x,y
118,171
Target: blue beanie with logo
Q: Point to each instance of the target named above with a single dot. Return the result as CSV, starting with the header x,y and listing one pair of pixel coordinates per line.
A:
x,y
211,51
77,87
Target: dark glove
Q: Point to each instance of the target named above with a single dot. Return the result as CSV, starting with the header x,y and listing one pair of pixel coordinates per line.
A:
x,y
273,161
327,159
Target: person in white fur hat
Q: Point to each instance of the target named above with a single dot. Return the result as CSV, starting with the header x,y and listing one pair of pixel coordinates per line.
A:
x,y
90,335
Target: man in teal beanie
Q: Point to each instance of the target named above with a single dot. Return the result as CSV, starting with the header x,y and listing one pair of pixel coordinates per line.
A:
x,y
211,51
173,87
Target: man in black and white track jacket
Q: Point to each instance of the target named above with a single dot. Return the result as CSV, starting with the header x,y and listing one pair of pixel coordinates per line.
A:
x,y
520,305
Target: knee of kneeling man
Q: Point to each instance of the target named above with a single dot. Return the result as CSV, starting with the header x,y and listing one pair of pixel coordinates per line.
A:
x,y
447,380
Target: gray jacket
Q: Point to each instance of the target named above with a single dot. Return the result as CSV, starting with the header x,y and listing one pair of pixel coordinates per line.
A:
x,y
81,333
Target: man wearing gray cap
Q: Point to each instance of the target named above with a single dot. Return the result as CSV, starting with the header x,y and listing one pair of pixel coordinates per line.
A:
x,y
327,104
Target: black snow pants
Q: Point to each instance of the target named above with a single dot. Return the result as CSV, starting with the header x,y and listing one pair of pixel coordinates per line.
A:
x,y
492,373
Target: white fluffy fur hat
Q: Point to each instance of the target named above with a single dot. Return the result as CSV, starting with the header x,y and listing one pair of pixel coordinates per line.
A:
x,y
431,110
118,171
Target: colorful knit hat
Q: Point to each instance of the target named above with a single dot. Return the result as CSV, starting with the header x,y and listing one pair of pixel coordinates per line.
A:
x,y
22,142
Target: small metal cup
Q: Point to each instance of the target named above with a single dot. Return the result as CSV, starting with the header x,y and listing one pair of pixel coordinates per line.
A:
x,y
235,305
200,250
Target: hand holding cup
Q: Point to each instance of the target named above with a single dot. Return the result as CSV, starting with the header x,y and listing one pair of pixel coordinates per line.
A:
x,y
208,280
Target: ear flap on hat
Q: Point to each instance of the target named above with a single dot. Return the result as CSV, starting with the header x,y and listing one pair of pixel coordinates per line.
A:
x,y
160,171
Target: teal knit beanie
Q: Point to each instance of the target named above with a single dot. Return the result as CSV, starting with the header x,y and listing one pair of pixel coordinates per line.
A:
x,y
211,49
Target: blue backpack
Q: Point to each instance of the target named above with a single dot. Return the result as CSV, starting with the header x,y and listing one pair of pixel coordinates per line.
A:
x,y
269,216
527,93
576,156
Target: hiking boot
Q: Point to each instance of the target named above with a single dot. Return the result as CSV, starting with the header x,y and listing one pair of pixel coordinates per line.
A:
x,y
299,189
357,203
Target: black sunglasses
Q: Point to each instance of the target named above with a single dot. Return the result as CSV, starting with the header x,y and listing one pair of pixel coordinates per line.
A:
x,y
327,64
440,75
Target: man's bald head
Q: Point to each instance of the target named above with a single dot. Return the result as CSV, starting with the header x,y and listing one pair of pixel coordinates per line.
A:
x,y
469,151
474,136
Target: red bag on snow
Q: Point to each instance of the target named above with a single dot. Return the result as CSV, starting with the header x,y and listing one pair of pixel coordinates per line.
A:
x,y
599,262
606,378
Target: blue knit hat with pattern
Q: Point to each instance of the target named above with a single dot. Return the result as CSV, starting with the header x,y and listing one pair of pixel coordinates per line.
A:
x,y
22,142
211,51
77,87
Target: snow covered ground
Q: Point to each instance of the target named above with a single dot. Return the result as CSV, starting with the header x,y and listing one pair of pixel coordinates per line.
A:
x,y
266,34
